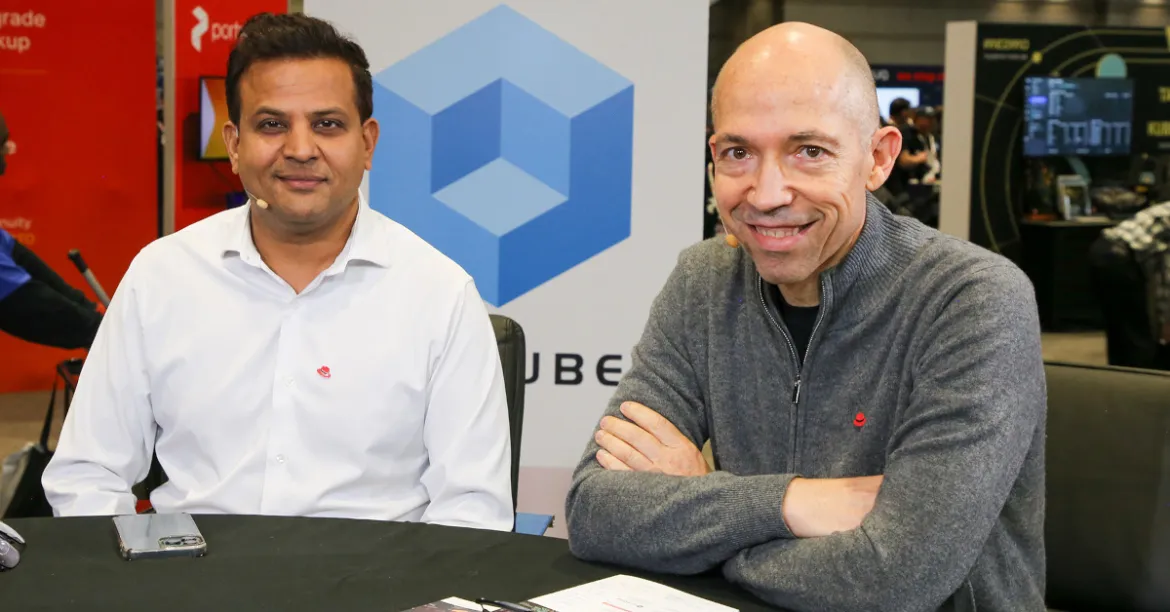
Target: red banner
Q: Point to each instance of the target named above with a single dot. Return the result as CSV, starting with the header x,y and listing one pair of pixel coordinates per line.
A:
x,y
205,31
78,87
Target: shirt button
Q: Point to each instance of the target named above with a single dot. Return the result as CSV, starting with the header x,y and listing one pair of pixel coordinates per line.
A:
x,y
290,381
280,459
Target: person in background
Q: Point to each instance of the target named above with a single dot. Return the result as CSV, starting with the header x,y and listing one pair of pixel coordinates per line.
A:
x,y
918,169
919,155
7,145
1130,269
899,113
36,304
302,354
897,185
873,390
938,123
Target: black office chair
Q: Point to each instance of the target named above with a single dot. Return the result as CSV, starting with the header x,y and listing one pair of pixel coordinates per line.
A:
x,y
1107,528
509,341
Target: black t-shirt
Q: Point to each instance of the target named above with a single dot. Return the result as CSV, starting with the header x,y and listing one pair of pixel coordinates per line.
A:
x,y
799,320
912,143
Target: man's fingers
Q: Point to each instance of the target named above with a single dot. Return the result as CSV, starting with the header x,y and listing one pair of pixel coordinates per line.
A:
x,y
610,462
622,451
642,441
656,424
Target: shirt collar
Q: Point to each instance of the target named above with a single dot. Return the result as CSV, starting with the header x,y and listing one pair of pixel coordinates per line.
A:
x,y
367,240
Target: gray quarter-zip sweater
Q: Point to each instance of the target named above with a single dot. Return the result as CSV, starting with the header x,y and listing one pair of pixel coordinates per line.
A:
x,y
933,340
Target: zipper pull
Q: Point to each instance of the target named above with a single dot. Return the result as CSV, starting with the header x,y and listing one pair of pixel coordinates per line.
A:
x,y
796,390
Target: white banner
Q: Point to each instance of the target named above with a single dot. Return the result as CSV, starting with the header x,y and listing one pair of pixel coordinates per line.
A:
x,y
551,148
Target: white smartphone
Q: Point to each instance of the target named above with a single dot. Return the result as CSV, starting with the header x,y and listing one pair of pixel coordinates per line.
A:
x,y
146,536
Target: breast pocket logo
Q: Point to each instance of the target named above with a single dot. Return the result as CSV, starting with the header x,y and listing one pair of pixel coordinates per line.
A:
x,y
508,149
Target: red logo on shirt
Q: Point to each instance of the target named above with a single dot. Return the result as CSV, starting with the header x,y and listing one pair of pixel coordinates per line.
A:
x,y
859,420
324,371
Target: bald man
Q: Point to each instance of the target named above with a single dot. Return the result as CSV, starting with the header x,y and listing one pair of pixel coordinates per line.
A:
x,y
873,390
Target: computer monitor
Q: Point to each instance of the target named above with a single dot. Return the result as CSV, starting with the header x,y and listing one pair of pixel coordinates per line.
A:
x,y
213,114
886,95
1069,116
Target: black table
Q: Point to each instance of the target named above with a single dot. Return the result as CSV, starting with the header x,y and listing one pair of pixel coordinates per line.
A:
x,y
277,563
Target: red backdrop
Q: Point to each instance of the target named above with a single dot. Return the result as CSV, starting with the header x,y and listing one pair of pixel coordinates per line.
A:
x,y
201,186
78,88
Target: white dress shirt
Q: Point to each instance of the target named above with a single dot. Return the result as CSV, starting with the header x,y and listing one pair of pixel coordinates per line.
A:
x,y
375,393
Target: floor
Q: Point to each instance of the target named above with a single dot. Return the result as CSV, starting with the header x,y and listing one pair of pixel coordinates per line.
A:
x,y
21,418
22,414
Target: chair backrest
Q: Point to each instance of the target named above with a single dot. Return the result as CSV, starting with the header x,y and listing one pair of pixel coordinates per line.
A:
x,y
1107,530
510,341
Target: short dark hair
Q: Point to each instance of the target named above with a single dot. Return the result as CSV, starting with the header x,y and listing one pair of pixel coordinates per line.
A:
x,y
899,106
295,36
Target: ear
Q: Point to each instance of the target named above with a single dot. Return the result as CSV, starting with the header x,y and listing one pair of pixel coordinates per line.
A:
x,y
370,130
231,138
886,144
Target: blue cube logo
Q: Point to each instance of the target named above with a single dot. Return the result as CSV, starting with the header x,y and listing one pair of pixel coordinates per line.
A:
x,y
507,149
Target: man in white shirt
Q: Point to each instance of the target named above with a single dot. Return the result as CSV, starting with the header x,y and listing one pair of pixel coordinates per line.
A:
x,y
301,355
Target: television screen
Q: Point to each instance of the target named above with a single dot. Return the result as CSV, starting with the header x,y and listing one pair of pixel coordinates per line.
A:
x,y
1077,116
213,114
889,94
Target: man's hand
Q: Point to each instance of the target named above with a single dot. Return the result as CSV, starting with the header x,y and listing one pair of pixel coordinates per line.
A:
x,y
649,443
815,507
8,148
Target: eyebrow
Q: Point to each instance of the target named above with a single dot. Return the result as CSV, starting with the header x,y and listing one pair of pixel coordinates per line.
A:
x,y
325,112
814,136
735,139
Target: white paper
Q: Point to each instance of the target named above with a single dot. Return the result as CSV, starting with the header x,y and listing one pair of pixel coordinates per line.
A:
x,y
451,604
462,603
626,594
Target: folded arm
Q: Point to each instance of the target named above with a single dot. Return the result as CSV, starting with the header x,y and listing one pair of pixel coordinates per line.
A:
x,y
34,312
107,441
469,477
978,400
656,521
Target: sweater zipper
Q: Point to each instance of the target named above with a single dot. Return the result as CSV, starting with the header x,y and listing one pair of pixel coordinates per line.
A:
x,y
793,455
788,339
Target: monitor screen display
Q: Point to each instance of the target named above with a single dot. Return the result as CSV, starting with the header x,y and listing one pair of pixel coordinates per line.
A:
x,y
213,114
1077,116
889,94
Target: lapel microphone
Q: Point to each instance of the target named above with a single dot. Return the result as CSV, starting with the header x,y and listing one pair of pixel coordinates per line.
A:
x,y
261,203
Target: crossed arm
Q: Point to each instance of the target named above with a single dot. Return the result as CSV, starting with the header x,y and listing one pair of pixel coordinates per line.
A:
x,y
648,442
643,497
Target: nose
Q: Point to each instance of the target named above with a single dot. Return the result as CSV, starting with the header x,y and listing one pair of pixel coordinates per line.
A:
x,y
300,144
771,190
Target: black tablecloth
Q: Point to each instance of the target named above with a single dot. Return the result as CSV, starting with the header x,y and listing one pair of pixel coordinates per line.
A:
x,y
276,563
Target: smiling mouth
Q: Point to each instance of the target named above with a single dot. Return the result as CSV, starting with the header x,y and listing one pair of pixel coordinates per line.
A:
x,y
782,232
